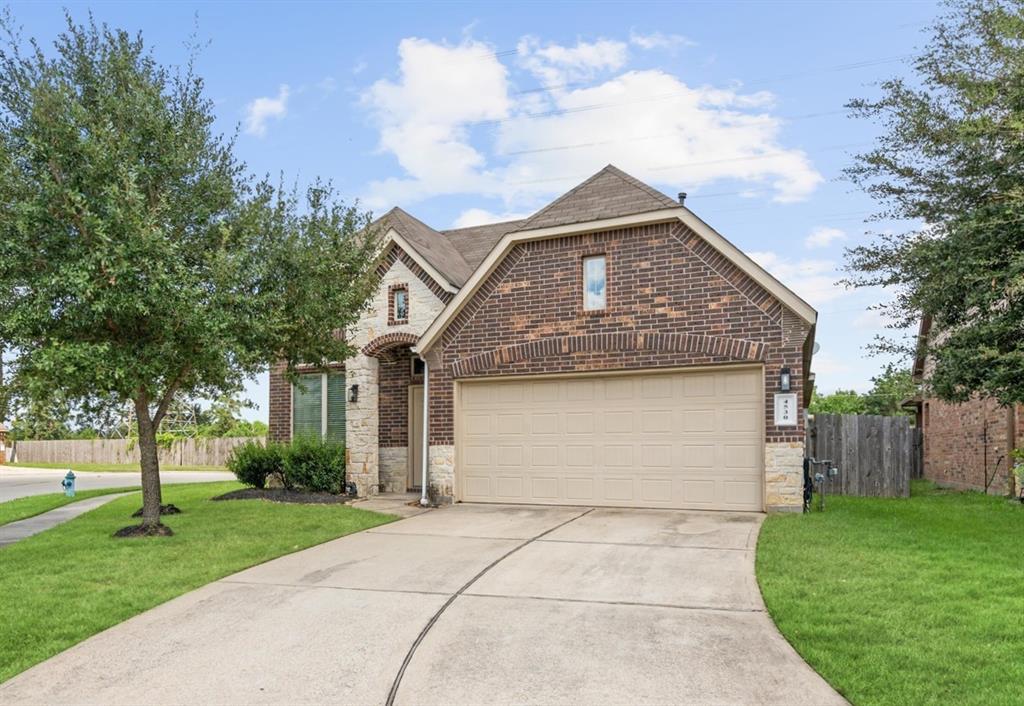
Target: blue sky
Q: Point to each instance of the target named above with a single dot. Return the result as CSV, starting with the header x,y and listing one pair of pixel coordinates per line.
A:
x,y
463,112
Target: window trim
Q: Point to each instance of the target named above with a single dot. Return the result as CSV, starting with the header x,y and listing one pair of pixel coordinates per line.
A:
x,y
324,394
393,320
583,284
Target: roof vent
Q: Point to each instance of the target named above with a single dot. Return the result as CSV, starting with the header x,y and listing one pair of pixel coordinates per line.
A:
x,y
682,197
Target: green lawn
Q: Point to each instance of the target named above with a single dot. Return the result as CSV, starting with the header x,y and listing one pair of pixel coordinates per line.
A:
x,y
109,467
903,601
19,509
65,584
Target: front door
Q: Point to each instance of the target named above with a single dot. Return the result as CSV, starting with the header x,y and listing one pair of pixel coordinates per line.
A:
x,y
415,436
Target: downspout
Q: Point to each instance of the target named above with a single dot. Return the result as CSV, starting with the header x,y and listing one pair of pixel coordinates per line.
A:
x,y
426,432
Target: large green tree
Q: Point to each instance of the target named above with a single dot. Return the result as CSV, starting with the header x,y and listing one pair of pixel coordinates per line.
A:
x,y
950,159
137,260
891,388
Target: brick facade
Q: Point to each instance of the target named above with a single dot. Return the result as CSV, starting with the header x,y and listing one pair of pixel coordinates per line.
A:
x,y
279,413
395,377
673,300
965,444
669,304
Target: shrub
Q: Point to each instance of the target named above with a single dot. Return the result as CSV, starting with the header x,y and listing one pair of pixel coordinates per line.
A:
x,y
314,465
252,462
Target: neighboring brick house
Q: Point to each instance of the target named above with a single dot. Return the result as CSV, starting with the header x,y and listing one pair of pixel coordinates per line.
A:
x,y
611,349
968,445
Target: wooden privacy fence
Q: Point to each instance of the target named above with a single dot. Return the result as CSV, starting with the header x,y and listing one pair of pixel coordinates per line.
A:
x,y
182,452
876,456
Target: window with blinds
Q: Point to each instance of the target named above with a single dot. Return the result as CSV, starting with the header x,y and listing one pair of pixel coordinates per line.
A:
x,y
336,407
307,407
318,407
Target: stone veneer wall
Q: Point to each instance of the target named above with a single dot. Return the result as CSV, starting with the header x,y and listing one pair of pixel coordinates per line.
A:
x,y
784,476
363,418
394,468
442,474
672,301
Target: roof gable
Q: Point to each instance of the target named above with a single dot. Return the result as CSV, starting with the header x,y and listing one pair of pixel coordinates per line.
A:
x,y
610,193
433,247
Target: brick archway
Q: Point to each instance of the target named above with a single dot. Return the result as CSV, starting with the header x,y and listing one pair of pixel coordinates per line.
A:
x,y
388,341
734,348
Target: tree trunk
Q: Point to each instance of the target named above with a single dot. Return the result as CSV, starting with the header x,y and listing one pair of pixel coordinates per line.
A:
x,y
151,497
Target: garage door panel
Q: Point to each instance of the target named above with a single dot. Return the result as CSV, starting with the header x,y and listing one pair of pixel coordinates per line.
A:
x,y
579,456
544,423
545,391
618,422
579,423
618,489
659,440
510,456
579,489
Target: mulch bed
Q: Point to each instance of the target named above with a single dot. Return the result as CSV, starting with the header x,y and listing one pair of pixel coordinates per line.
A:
x,y
144,531
283,495
164,510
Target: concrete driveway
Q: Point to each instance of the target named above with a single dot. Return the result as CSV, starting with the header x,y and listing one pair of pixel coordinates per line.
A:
x,y
472,604
22,482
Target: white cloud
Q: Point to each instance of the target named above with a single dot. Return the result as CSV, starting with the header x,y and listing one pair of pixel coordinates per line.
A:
x,y
259,111
555,65
822,237
455,127
657,40
423,118
815,281
481,216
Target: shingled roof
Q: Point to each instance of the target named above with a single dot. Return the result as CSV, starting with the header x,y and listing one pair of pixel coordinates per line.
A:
x,y
475,242
608,194
430,245
457,252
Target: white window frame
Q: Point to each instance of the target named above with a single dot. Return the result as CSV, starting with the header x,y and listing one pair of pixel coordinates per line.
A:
x,y
394,303
323,407
583,266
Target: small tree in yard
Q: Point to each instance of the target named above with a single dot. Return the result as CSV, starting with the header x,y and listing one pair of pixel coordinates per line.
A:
x,y
137,260
951,157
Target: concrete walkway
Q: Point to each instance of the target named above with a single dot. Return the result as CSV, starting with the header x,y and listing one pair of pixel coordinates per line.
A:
x,y
22,482
16,531
471,604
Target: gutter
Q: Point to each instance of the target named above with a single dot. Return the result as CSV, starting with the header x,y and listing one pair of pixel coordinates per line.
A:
x,y
426,432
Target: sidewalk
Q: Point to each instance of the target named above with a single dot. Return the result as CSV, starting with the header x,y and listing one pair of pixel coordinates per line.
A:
x,y
16,531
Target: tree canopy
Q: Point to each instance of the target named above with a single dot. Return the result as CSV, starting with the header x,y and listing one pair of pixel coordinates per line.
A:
x,y
950,159
138,260
890,388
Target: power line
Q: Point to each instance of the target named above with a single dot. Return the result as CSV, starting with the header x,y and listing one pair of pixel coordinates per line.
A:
x,y
675,94
640,138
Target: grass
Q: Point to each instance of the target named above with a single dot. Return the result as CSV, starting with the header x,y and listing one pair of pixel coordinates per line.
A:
x,y
903,601
70,582
22,508
109,467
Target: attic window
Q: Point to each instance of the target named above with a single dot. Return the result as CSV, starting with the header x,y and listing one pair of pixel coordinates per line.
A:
x,y
398,306
594,283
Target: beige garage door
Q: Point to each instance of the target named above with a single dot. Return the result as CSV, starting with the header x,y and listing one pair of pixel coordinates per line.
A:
x,y
672,440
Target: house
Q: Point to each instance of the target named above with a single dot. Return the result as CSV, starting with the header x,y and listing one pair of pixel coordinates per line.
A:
x,y
611,349
968,445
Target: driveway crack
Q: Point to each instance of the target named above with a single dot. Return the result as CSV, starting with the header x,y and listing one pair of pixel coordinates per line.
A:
x,y
451,599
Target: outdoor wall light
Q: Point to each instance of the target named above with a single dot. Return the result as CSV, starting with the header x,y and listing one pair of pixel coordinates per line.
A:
x,y
353,393
785,380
